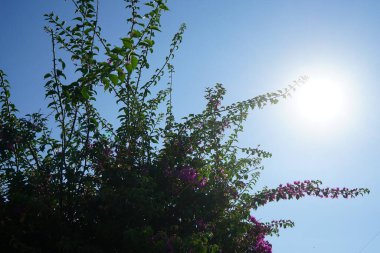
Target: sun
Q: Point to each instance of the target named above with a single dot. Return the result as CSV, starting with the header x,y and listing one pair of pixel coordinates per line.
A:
x,y
321,101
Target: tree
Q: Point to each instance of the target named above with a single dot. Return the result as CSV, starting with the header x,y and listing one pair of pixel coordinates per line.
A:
x,y
153,184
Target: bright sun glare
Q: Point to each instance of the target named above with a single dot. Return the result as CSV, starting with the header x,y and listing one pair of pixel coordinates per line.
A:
x,y
321,101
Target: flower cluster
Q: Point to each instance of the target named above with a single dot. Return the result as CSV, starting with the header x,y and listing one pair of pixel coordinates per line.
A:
x,y
190,175
262,246
260,230
300,189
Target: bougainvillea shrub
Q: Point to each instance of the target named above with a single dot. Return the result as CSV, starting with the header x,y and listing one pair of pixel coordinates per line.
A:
x,y
72,182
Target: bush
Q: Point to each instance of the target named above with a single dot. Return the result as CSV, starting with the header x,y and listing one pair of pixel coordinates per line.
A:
x,y
152,184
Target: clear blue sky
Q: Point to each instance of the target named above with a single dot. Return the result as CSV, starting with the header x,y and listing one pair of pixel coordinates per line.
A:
x,y
253,47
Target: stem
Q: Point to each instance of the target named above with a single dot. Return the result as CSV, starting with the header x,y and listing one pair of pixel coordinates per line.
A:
x,y
62,121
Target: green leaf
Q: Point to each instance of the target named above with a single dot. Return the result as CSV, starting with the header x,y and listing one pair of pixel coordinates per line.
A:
x,y
135,34
129,68
78,18
60,73
127,42
148,42
153,27
94,122
63,64
85,93
114,79
164,7
106,83
121,75
134,62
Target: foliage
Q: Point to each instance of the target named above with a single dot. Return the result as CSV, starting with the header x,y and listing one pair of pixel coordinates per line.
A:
x,y
152,184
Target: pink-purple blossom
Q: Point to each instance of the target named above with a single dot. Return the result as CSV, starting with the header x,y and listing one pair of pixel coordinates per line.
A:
x,y
191,176
260,230
300,189
188,174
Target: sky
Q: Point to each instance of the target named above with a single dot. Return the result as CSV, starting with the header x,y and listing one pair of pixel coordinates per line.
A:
x,y
252,47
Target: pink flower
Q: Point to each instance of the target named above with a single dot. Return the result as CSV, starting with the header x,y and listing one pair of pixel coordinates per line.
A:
x,y
301,189
203,182
188,174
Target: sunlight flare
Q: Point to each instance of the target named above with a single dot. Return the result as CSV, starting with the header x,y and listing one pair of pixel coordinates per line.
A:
x,y
321,101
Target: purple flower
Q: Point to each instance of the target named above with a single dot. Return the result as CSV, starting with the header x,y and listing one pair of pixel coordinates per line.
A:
x,y
262,246
200,224
188,174
300,189
203,182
